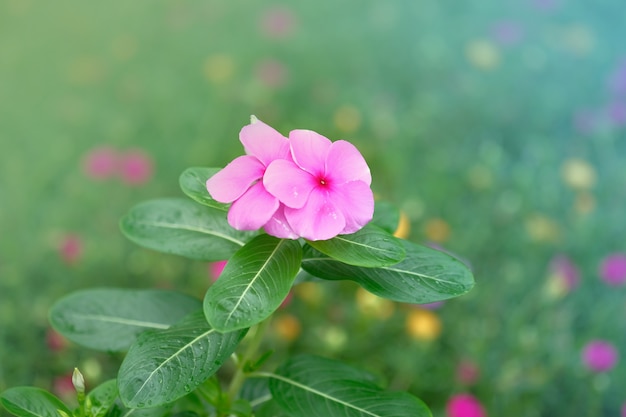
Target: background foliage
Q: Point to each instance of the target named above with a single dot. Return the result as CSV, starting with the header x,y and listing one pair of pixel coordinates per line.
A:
x,y
498,127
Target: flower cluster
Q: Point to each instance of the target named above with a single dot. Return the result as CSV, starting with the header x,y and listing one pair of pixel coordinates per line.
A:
x,y
301,186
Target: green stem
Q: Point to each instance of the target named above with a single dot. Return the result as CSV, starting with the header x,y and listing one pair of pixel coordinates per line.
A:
x,y
253,347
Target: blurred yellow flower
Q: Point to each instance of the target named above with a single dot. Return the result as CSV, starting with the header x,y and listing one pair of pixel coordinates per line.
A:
x,y
347,119
578,174
334,337
482,54
404,226
86,70
542,229
219,68
578,39
309,292
437,230
585,203
287,327
372,305
480,177
423,324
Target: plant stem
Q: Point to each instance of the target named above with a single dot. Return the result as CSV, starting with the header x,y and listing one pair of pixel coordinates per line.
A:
x,y
253,346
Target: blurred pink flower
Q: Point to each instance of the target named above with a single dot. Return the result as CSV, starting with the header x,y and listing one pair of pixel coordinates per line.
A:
x,y
271,73
624,410
599,356
55,341
63,387
215,269
240,182
464,405
467,372
617,80
71,248
546,5
287,300
562,268
135,167
613,269
100,163
325,189
616,113
278,22
585,121
431,306
507,32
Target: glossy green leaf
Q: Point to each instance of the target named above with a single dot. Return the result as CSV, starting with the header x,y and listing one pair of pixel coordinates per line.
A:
x,y
183,227
101,399
164,365
110,319
369,247
193,183
386,216
32,402
311,386
424,276
120,410
253,284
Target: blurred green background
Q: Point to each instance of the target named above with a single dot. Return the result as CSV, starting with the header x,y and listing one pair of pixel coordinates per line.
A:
x,y
498,128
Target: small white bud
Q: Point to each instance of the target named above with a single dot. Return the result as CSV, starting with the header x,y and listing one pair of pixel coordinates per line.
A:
x,y
78,381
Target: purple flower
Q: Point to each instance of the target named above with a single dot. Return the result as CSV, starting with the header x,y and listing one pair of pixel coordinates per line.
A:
x,y
325,188
240,182
599,356
613,269
617,113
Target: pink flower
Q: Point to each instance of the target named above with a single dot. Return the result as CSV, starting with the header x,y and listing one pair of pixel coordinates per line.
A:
x,y
467,372
100,163
278,22
240,182
599,356
71,248
613,269
325,188
271,73
564,270
135,167
464,405
215,269
624,410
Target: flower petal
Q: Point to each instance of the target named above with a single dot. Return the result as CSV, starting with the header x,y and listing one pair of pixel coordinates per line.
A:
x,y
264,142
319,219
278,226
345,163
232,181
253,209
309,150
356,201
287,182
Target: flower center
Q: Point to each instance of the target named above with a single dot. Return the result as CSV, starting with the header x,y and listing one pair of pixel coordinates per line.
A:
x,y
323,182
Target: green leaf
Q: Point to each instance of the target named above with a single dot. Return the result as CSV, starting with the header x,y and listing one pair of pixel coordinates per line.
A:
x,y
164,365
424,276
369,247
311,386
193,183
32,402
119,410
185,228
110,319
386,216
101,398
255,281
